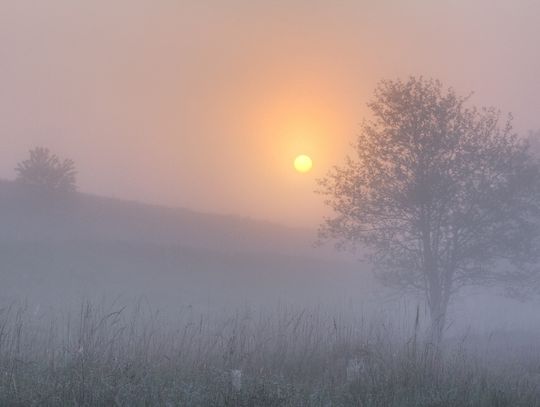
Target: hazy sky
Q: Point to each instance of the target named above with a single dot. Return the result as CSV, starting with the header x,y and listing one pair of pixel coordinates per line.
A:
x,y
204,104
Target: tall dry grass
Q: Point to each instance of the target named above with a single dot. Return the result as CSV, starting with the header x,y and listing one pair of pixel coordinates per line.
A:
x,y
133,356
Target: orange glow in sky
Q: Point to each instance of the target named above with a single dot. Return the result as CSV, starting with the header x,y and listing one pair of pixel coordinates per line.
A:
x,y
205,106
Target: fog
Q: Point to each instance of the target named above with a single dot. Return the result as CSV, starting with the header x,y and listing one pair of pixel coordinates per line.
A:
x,y
205,104
159,247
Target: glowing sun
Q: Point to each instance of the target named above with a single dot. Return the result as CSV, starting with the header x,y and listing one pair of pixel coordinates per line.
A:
x,y
303,163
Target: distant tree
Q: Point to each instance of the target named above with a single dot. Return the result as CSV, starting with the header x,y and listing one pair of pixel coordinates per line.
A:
x,y
47,170
440,195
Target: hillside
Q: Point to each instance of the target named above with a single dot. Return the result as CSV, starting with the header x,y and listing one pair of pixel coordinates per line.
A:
x,y
61,248
32,214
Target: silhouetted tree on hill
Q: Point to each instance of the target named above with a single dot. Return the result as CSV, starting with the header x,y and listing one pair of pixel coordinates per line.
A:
x,y
442,195
47,170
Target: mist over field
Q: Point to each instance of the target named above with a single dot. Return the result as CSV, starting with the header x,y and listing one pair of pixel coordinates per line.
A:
x,y
251,204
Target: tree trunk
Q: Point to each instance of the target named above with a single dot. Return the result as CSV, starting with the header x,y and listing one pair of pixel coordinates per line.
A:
x,y
438,305
437,310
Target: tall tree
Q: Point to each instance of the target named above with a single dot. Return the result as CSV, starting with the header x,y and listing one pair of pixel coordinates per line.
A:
x,y
441,195
47,170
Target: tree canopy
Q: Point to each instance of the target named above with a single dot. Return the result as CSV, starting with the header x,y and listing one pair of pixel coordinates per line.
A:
x,y
442,195
47,170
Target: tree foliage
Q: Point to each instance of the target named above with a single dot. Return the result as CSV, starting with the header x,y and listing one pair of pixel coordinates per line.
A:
x,y
442,195
47,170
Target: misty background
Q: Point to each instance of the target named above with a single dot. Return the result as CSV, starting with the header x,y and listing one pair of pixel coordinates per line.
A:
x,y
204,105
183,119
180,263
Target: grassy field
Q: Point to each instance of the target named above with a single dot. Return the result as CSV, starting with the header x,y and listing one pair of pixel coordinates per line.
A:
x,y
136,357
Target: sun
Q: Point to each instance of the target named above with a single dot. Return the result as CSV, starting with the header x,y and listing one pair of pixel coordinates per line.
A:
x,y
303,163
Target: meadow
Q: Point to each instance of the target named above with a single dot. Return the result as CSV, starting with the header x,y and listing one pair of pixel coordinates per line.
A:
x,y
136,356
